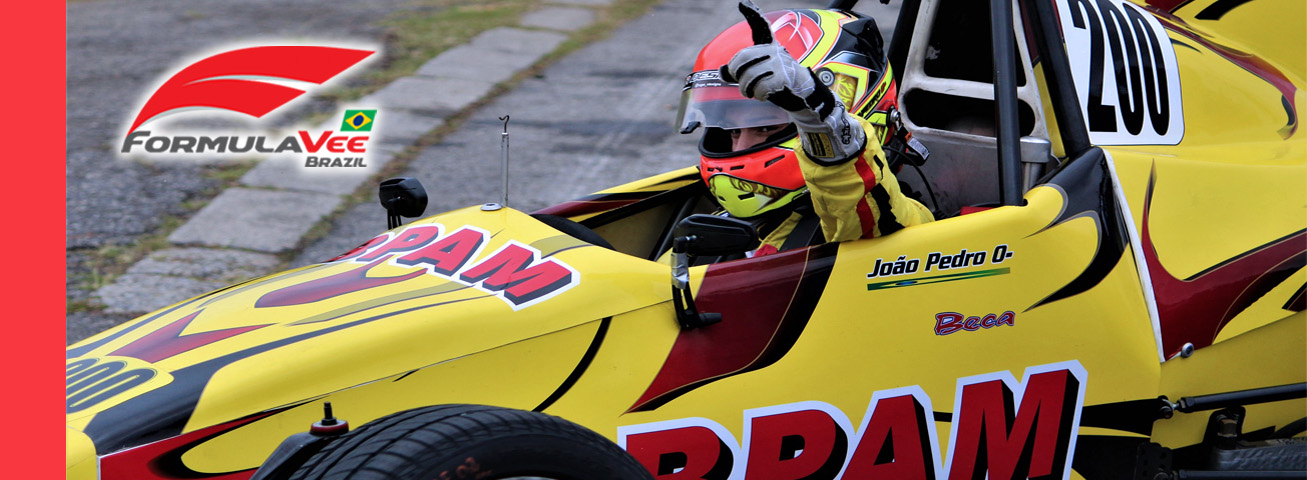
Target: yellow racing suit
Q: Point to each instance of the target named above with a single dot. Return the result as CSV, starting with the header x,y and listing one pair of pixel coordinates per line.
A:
x,y
855,198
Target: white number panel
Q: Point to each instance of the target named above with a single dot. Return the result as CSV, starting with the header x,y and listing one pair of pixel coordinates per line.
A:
x,y
1125,73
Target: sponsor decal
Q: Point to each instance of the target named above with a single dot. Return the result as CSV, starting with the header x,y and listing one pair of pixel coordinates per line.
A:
x,y
754,188
704,78
938,261
516,273
1002,428
949,322
819,144
1125,72
255,82
966,259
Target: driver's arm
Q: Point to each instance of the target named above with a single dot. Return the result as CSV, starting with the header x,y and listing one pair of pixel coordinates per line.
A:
x,y
857,197
853,191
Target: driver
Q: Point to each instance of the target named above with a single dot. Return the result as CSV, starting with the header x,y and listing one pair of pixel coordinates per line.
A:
x,y
786,124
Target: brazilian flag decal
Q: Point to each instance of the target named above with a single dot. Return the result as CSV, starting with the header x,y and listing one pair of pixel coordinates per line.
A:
x,y
358,120
939,278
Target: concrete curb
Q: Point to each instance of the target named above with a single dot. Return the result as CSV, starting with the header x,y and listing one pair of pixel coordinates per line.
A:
x,y
240,233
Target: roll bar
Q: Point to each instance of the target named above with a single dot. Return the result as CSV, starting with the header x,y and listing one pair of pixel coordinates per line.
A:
x,y
1005,102
1057,69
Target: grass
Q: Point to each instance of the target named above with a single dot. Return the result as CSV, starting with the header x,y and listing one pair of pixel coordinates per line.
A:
x,y
107,263
229,174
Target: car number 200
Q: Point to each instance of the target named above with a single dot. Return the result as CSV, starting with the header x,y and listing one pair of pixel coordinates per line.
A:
x,y
1125,72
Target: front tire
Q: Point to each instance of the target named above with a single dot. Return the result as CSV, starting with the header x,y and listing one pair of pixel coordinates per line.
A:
x,y
457,442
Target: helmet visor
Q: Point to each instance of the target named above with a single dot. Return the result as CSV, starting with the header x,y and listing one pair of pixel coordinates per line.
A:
x,y
709,101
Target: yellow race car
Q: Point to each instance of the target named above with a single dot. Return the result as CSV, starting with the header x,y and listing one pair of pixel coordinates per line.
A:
x,y
1123,298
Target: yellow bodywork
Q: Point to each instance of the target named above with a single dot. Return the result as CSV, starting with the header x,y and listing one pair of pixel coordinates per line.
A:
x,y
1058,288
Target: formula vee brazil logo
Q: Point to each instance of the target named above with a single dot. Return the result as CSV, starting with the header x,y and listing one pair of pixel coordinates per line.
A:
x,y
254,81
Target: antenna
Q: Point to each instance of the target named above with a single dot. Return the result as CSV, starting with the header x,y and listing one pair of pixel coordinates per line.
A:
x,y
503,167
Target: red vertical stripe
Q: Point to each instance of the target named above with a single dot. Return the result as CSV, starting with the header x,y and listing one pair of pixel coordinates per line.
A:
x,y
1194,309
739,292
865,215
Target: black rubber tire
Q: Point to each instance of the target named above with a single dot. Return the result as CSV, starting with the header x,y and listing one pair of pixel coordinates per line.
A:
x,y
455,442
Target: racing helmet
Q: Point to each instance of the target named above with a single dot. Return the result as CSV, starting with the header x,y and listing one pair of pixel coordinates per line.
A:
x,y
845,52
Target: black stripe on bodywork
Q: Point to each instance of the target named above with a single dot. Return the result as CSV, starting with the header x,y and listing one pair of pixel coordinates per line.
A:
x,y
581,366
679,194
171,463
1086,186
1218,9
1298,301
1292,122
1177,43
821,261
163,412
1135,416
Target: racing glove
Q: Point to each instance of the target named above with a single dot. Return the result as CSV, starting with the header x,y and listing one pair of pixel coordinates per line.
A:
x,y
767,72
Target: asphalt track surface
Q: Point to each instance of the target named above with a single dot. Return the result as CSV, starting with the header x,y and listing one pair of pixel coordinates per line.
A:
x,y
600,117
597,118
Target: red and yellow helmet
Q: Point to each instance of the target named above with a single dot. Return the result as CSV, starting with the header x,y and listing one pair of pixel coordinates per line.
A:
x,y
845,51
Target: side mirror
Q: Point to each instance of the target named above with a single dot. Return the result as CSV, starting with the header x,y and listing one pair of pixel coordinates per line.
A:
x,y
403,196
1036,160
713,235
703,235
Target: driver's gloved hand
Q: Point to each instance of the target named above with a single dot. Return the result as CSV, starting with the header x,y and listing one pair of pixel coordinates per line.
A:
x,y
767,72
